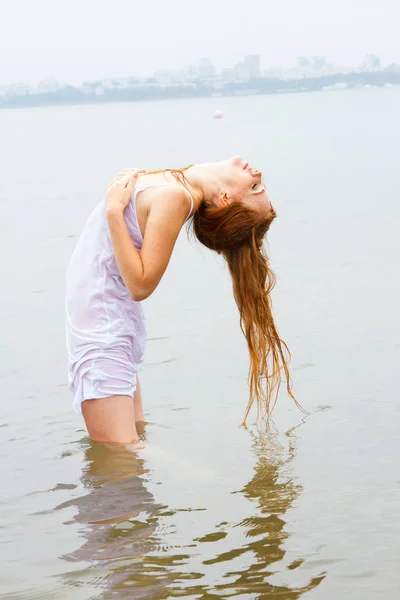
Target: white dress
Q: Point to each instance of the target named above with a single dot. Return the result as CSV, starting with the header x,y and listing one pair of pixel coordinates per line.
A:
x,y
105,328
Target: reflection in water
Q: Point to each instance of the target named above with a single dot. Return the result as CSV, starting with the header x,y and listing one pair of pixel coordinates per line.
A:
x,y
274,491
119,518
123,527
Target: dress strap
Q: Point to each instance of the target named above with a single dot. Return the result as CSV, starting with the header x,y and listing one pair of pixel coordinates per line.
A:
x,y
191,200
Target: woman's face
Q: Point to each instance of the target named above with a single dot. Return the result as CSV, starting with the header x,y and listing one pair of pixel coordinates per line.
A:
x,y
244,184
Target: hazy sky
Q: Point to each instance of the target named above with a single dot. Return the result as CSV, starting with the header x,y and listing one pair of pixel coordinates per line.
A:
x,y
76,40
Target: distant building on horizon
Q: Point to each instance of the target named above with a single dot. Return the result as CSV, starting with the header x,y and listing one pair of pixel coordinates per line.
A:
x,y
248,69
373,62
252,67
311,67
206,69
303,61
318,62
230,75
48,86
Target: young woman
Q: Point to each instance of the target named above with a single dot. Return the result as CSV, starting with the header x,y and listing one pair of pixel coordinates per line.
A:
x,y
119,260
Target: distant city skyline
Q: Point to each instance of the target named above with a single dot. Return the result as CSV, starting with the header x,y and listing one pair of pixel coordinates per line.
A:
x,y
204,80
183,67
246,70
78,41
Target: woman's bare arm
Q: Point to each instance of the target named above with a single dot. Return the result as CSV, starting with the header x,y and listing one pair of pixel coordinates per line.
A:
x,y
142,271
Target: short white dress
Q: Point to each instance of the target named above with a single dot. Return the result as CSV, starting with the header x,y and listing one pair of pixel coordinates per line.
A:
x,y
105,329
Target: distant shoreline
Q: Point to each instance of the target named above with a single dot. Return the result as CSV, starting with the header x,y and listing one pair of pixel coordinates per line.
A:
x,y
69,95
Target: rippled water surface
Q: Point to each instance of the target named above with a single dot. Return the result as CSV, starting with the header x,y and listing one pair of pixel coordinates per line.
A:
x,y
209,510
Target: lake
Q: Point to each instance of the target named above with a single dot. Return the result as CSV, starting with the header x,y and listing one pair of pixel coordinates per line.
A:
x,y
209,510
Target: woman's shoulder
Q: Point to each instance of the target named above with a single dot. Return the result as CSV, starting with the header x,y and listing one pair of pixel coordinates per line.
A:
x,y
173,196
166,200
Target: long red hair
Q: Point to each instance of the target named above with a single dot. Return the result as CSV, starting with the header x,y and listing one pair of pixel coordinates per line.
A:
x,y
237,232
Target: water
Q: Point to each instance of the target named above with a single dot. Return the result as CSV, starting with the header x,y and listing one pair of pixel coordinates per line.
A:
x,y
210,510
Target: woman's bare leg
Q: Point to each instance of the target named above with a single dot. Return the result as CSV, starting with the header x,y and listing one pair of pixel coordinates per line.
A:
x,y
111,420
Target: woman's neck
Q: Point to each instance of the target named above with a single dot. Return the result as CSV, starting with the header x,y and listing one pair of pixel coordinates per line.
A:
x,y
203,182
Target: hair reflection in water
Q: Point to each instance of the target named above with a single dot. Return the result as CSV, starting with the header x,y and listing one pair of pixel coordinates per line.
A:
x,y
124,532
273,491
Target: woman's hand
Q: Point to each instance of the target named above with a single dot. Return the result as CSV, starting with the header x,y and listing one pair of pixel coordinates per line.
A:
x,y
120,190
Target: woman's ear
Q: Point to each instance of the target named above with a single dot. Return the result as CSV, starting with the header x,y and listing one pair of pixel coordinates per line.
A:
x,y
223,199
